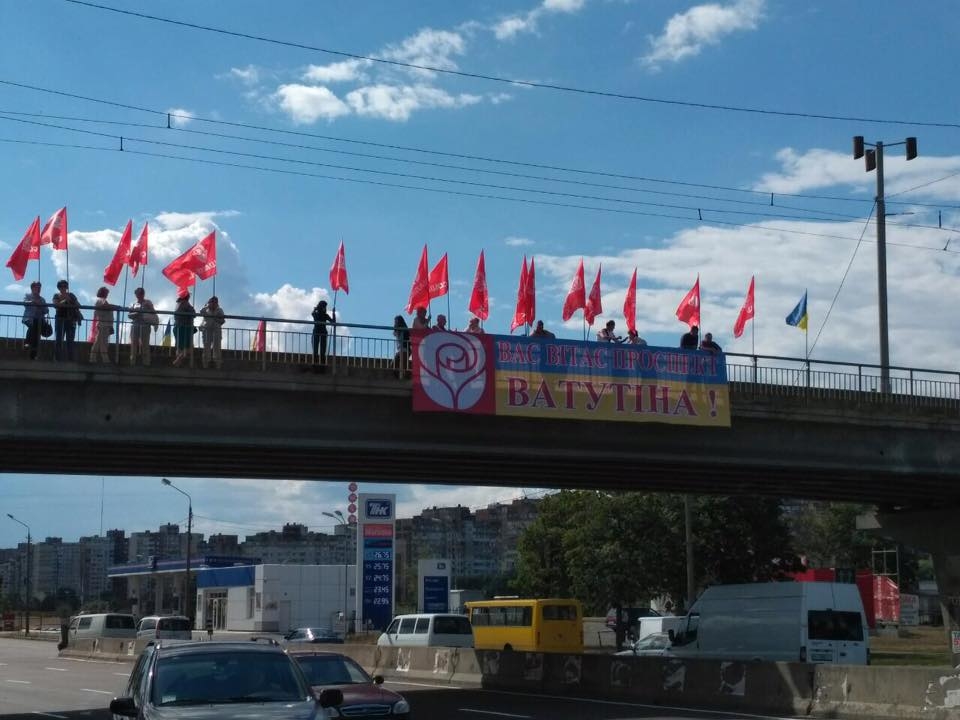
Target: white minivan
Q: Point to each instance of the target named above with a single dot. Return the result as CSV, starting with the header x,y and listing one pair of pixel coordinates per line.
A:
x,y
428,630
815,622
164,627
103,625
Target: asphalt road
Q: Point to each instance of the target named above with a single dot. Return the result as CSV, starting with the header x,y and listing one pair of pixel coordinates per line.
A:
x,y
35,684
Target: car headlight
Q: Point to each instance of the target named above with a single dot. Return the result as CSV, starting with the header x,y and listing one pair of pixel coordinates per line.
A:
x,y
401,708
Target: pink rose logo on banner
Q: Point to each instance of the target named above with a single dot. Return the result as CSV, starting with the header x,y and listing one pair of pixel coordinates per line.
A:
x,y
452,369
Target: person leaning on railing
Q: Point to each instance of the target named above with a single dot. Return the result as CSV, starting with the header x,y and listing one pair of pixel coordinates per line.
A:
x,y
35,312
102,327
143,321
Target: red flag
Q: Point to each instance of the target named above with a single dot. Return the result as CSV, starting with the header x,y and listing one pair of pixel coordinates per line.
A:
x,y
746,312
120,258
689,309
630,304
439,281
200,261
26,250
593,306
519,315
479,300
338,272
138,256
530,290
420,290
576,298
55,231
93,330
259,343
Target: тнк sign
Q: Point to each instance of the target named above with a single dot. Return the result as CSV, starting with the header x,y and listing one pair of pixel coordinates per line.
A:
x,y
379,509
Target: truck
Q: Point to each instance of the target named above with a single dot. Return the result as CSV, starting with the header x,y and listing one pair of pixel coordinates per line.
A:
x,y
815,622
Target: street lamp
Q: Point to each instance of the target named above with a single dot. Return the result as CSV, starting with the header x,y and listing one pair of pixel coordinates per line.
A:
x,y
874,161
187,590
338,516
29,568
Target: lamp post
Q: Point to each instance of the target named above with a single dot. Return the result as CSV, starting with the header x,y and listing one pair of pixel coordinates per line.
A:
x,y
873,160
188,592
338,516
29,567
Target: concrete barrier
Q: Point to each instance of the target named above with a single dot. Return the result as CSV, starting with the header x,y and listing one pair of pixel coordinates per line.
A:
x,y
887,692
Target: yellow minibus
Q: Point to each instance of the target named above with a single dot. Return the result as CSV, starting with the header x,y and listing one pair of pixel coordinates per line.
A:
x,y
532,625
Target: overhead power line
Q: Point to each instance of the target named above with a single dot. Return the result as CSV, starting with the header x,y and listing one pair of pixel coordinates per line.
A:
x,y
512,81
168,116
460,193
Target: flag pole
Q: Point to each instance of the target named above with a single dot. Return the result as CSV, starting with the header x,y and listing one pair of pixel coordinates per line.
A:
x,y
68,263
126,273
333,351
449,317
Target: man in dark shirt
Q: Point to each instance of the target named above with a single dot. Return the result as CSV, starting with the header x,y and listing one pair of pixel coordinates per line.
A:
x,y
540,331
709,345
690,339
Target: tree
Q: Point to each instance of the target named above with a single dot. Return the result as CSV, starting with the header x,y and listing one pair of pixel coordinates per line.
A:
x,y
826,533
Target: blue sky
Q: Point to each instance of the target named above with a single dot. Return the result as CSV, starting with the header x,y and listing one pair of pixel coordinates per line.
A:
x,y
278,232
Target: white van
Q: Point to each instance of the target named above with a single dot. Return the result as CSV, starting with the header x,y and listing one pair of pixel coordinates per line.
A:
x,y
814,622
103,625
164,627
428,630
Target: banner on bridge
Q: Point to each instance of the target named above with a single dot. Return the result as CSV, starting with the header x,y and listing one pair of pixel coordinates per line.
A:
x,y
567,379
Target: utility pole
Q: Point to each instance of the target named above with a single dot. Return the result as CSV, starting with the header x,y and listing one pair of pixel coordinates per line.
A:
x,y
29,569
688,532
873,160
187,591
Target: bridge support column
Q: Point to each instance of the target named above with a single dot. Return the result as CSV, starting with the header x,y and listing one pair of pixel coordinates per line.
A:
x,y
938,533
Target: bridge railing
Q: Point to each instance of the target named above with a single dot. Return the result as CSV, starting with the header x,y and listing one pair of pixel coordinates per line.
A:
x,y
290,343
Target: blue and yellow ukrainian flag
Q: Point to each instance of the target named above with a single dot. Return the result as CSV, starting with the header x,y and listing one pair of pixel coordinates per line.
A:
x,y
798,318
167,340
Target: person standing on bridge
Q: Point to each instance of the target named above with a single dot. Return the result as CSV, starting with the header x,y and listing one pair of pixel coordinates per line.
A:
x,y
66,318
441,323
608,335
143,320
421,321
474,327
102,327
690,339
401,333
541,331
320,319
633,338
35,314
183,328
212,329
709,345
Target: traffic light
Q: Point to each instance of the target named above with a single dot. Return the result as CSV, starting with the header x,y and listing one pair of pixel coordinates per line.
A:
x,y
857,147
911,148
870,158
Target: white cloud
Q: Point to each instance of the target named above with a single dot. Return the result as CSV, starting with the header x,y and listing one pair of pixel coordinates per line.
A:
x,y
306,104
687,33
818,168
498,98
429,47
180,117
510,27
250,75
398,102
514,241
344,71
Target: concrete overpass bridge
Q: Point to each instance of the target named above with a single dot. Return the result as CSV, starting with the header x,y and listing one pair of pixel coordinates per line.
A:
x,y
823,431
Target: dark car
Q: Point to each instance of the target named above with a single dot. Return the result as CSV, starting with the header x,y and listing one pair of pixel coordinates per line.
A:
x,y
180,680
363,696
313,635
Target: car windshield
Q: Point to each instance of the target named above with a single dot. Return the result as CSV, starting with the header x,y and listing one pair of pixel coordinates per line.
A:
x,y
322,632
332,670
226,677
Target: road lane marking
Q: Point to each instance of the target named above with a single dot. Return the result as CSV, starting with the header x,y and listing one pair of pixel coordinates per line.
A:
x,y
102,692
57,669
425,685
672,708
492,712
21,682
123,674
53,715
3,664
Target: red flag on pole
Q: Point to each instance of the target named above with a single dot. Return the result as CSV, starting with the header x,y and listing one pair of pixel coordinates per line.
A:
x,y
138,256
338,272
120,258
689,309
420,290
630,304
479,300
577,297
259,343
746,312
26,250
593,306
439,281
55,231
530,290
519,315
200,261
